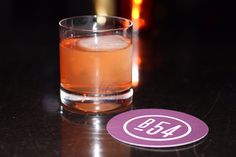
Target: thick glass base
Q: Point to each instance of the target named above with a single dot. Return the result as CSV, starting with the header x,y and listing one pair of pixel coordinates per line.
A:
x,y
96,104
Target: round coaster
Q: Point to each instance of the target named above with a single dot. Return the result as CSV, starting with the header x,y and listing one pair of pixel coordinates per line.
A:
x,y
156,128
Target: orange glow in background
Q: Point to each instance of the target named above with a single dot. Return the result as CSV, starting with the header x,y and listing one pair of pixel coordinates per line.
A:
x,y
135,13
138,1
138,23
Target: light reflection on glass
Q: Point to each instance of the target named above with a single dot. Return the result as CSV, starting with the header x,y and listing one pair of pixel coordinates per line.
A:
x,y
136,61
101,20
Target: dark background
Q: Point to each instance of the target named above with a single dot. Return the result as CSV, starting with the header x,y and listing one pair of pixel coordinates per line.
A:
x,y
188,65
207,24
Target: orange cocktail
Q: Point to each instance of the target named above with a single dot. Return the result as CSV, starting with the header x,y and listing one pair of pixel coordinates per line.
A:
x,y
96,65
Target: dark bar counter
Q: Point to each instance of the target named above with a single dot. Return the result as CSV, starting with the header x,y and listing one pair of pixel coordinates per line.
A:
x,y
186,64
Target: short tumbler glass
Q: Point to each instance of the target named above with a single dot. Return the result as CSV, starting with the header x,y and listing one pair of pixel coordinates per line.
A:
x,y
95,64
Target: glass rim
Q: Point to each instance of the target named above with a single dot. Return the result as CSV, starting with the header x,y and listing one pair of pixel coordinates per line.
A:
x,y
95,16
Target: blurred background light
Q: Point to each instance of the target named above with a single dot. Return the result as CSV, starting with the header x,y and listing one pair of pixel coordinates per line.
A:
x,y
105,7
138,23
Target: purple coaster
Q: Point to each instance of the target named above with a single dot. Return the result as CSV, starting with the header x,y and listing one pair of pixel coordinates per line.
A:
x,y
156,128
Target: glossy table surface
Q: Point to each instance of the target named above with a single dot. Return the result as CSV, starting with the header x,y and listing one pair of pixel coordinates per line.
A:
x,y
188,70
